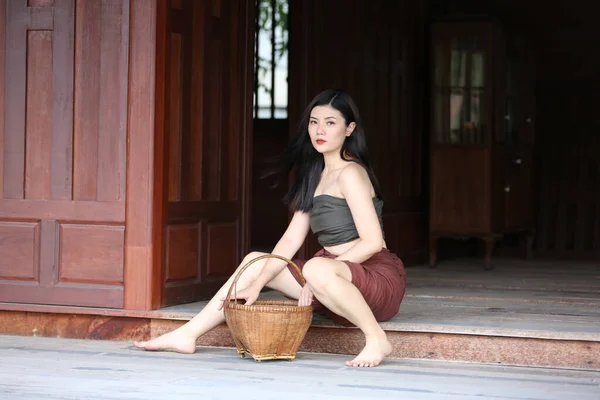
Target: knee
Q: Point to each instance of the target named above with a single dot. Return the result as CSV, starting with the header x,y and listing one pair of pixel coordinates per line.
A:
x,y
317,273
249,257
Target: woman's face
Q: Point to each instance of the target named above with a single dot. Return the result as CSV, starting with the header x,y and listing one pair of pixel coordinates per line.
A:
x,y
327,129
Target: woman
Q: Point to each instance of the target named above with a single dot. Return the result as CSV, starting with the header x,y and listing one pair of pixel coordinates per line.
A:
x,y
354,278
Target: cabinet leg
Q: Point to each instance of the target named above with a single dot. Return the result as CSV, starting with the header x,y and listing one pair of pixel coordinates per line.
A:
x,y
527,239
489,248
432,251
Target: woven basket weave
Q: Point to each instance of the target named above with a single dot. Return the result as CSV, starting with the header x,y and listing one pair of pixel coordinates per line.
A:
x,y
267,329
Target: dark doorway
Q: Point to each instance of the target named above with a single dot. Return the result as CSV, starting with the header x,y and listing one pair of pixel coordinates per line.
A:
x,y
271,122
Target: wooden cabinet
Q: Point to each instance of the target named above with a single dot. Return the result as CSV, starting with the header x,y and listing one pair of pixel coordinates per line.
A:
x,y
481,133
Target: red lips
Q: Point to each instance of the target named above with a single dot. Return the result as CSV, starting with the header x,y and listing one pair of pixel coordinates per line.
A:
x,y
320,141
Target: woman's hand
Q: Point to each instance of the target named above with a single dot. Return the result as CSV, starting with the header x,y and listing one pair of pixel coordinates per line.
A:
x,y
306,296
250,294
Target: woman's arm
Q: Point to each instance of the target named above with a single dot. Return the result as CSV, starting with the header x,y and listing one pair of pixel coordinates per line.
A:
x,y
355,185
287,247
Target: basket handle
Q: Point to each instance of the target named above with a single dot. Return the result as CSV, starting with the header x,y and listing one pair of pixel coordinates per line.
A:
x,y
237,276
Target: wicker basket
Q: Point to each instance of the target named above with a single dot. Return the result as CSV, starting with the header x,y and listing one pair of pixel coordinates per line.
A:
x,y
267,329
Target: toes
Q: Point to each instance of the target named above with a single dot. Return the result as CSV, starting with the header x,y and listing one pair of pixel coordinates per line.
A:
x,y
362,363
356,363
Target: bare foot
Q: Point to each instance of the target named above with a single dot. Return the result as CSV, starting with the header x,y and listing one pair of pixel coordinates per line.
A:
x,y
375,351
176,341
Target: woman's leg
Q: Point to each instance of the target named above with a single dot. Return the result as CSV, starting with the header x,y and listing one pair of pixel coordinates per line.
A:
x,y
183,339
331,282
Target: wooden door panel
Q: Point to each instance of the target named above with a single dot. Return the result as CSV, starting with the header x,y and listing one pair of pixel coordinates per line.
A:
x,y
209,92
461,200
518,189
183,252
90,254
62,199
20,261
100,101
38,122
219,258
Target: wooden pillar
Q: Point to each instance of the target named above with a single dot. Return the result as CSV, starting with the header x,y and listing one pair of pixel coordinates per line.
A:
x,y
142,274
2,88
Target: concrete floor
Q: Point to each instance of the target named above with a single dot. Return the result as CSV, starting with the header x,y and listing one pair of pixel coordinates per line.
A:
x,y
49,368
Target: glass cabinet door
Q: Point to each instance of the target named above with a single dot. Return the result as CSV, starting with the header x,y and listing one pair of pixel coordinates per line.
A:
x,y
459,87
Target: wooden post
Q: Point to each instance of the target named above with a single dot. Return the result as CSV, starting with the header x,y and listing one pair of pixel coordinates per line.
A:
x,y
161,150
141,267
2,89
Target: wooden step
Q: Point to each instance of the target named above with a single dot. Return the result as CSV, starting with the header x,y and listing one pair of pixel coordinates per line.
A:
x,y
411,340
544,314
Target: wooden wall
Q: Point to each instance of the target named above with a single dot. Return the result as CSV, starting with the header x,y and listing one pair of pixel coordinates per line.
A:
x,y
566,39
370,49
569,172
206,145
568,133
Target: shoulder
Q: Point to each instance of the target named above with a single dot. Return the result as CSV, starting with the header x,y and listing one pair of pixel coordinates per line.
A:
x,y
352,176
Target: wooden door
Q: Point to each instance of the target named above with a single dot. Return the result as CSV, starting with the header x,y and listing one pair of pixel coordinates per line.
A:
x,y
519,125
519,189
331,46
63,101
207,144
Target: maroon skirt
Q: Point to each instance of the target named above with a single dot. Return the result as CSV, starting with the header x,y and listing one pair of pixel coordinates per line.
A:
x,y
381,279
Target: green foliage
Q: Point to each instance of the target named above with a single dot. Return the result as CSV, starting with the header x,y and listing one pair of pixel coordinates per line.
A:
x,y
265,19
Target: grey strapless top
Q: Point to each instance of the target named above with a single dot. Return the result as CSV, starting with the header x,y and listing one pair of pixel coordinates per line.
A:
x,y
331,220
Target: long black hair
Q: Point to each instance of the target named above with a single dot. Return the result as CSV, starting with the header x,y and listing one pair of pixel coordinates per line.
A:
x,y
307,163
